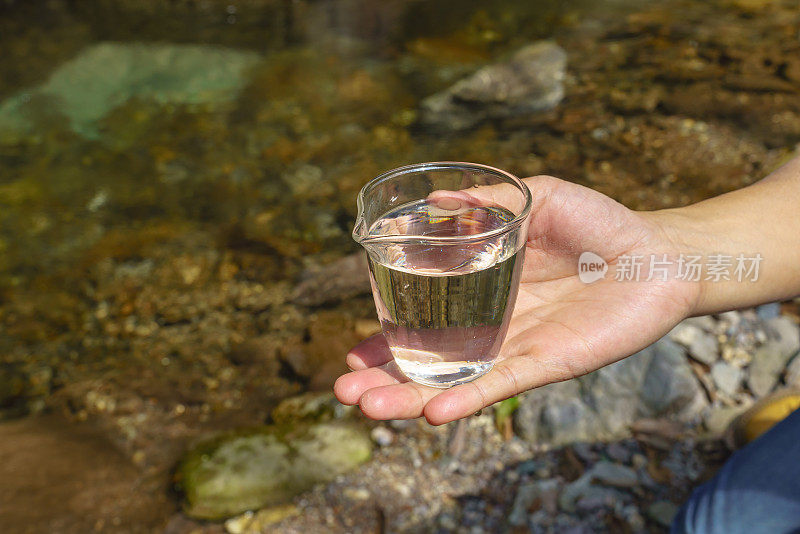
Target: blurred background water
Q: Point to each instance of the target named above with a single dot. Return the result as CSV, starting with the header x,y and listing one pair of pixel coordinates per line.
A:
x,y
178,181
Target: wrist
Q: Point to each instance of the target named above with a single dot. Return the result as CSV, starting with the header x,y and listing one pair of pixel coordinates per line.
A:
x,y
686,233
756,267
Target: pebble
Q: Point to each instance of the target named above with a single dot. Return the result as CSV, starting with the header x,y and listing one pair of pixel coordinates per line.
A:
x,y
634,519
769,311
584,451
732,318
662,512
572,492
448,522
704,348
685,333
597,497
619,452
527,494
529,467
382,436
705,322
769,361
612,474
726,377
639,460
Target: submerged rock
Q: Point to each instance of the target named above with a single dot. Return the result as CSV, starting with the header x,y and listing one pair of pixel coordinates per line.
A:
x,y
106,75
341,279
530,82
269,466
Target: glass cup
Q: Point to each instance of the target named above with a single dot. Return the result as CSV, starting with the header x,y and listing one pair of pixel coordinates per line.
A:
x,y
445,244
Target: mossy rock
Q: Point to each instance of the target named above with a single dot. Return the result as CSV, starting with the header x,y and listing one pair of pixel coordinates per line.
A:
x,y
267,466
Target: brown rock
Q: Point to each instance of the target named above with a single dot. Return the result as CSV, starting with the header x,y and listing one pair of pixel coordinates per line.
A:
x,y
321,359
341,279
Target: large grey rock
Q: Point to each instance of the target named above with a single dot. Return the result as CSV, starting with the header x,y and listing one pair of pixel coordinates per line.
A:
x,y
669,385
655,382
566,416
530,81
557,414
105,75
266,467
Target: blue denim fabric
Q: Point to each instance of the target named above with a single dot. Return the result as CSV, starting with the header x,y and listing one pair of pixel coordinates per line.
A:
x,y
757,490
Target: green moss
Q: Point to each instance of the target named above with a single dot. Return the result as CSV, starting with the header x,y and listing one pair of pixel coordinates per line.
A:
x,y
267,466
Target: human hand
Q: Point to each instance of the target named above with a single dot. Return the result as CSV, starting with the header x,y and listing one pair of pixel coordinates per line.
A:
x,y
561,327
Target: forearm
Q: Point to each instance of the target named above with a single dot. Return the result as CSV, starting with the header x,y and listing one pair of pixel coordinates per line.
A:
x,y
762,219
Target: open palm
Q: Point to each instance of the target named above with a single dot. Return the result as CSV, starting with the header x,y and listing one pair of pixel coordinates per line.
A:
x,y
561,327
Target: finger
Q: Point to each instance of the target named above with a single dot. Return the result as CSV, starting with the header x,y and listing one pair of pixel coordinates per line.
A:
x,y
500,195
398,401
351,386
371,352
506,379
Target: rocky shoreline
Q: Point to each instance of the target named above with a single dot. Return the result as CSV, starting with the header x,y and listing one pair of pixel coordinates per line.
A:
x,y
564,468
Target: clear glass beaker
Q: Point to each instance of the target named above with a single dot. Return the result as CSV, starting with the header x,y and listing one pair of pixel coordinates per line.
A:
x,y
445,243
